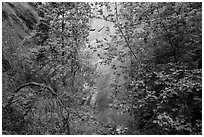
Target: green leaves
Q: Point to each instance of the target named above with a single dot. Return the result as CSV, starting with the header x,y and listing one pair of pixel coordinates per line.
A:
x,y
167,98
134,45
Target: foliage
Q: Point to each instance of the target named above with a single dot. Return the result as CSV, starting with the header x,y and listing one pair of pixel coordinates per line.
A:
x,y
31,111
154,34
171,30
168,101
56,56
18,21
52,60
138,72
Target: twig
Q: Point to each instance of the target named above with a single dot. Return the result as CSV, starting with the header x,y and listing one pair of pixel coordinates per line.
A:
x,y
120,29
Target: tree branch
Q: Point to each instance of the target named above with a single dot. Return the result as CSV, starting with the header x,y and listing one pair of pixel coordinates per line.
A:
x,y
120,29
29,84
169,39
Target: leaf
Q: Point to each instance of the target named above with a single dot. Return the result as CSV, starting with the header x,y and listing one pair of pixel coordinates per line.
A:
x,y
100,11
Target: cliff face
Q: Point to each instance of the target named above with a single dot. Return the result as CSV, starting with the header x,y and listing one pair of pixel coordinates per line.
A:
x,y
20,13
18,20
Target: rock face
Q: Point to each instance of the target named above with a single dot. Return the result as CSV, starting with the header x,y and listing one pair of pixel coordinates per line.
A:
x,y
20,13
18,20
